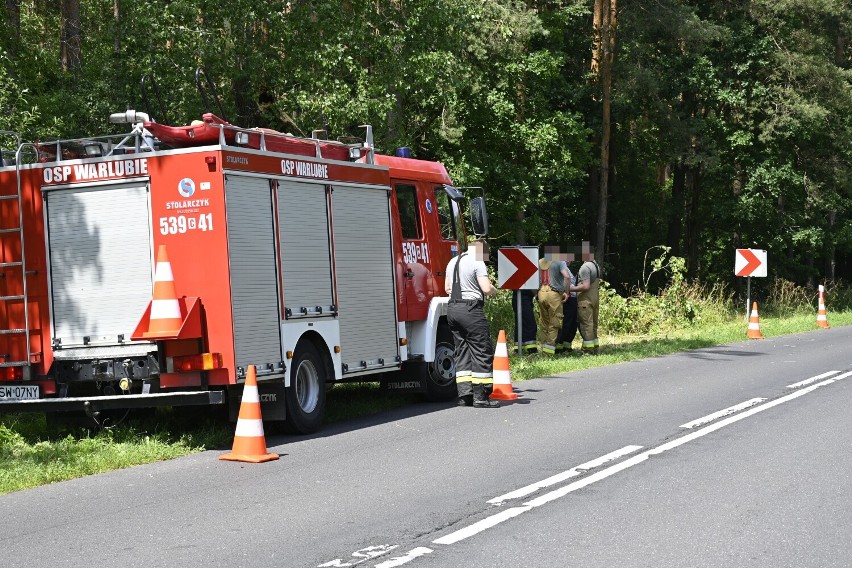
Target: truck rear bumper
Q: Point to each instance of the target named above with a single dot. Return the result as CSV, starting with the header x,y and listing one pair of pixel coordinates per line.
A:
x,y
90,404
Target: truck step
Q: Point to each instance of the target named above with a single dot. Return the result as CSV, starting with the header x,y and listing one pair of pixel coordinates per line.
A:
x,y
15,364
5,264
7,197
13,230
11,331
11,297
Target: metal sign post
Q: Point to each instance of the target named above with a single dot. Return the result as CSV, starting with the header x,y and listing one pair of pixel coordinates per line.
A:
x,y
748,263
517,269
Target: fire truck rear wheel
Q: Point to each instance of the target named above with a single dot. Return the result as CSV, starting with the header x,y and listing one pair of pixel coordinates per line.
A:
x,y
440,374
305,397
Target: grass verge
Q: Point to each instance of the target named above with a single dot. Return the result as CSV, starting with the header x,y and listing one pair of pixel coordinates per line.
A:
x,y
34,452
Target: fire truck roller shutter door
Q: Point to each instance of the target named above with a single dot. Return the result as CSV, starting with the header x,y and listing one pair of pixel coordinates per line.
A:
x,y
305,249
254,283
364,271
99,260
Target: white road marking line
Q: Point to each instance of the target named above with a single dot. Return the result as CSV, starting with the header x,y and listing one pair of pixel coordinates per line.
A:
x,y
409,556
368,553
507,514
812,380
675,443
482,525
721,413
565,475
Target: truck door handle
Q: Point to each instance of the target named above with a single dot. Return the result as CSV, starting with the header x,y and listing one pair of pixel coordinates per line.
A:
x,y
439,274
409,274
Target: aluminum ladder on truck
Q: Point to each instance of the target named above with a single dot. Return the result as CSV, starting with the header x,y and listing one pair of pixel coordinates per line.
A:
x,y
18,267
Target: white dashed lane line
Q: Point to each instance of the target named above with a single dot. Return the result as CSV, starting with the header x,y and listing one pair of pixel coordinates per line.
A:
x,y
507,514
722,413
565,475
812,380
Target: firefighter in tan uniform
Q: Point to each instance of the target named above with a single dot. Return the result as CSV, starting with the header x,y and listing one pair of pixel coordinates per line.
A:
x,y
467,284
588,282
552,294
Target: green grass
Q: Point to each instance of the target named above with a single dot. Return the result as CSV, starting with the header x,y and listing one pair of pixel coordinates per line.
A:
x,y
618,349
34,452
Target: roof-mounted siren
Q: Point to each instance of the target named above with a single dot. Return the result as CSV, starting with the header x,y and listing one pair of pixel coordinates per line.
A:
x,y
478,211
404,152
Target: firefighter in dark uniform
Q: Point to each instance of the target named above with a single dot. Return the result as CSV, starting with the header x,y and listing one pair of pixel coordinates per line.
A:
x,y
529,330
467,284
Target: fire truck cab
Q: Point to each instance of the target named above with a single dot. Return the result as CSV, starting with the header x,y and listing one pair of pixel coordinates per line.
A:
x,y
314,261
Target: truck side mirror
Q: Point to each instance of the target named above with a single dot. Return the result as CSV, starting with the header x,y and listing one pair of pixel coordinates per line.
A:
x,y
478,216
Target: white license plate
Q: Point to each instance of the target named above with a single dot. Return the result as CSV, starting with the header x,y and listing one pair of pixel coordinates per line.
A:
x,y
18,392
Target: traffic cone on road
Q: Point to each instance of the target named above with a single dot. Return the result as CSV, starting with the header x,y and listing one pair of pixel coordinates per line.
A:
x,y
754,324
165,318
822,320
502,376
249,441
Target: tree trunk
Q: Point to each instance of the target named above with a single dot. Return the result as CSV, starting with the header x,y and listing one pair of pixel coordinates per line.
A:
x,y
520,234
13,18
69,35
675,231
736,237
116,17
607,62
597,36
692,188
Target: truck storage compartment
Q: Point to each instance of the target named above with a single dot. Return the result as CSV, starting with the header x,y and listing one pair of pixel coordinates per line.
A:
x,y
305,249
364,270
254,278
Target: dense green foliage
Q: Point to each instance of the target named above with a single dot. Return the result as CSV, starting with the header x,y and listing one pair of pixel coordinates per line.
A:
x,y
731,120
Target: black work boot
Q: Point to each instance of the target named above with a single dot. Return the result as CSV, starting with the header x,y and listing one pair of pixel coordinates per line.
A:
x,y
480,397
465,400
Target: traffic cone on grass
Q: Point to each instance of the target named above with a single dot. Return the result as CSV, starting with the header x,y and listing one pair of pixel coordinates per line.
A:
x,y
822,320
165,307
754,324
249,441
502,376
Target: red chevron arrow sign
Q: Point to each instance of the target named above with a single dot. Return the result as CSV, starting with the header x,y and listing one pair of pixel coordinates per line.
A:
x,y
517,268
750,262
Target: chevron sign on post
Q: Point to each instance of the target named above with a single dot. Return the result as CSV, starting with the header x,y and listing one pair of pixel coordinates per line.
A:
x,y
750,262
517,268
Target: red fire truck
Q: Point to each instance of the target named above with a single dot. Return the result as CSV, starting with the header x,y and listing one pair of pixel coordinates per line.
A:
x,y
316,261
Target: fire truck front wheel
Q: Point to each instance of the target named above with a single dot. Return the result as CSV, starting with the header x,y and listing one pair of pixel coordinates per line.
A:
x,y
305,396
440,375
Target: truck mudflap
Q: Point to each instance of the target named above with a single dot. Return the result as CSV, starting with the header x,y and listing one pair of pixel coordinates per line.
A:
x,y
92,405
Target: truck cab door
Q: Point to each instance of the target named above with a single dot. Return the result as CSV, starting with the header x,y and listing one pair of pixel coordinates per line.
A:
x,y
446,234
413,255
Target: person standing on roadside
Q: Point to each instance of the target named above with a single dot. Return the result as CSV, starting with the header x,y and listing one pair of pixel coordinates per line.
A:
x,y
588,301
467,284
529,330
569,316
551,296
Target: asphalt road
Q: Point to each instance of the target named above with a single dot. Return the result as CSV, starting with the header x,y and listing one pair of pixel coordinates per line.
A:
x,y
667,477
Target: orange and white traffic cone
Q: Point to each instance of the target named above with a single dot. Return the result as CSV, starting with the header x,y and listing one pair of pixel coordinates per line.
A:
x,y
754,324
249,441
822,320
165,318
502,376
